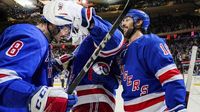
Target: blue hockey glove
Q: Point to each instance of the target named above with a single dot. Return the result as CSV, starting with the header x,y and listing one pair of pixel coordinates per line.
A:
x,y
72,100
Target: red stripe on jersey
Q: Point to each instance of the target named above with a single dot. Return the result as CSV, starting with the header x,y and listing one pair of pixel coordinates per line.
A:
x,y
143,105
3,75
88,13
94,91
110,53
167,75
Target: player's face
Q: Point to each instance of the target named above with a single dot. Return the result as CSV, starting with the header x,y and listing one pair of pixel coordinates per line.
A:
x,y
126,24
53,29
64,32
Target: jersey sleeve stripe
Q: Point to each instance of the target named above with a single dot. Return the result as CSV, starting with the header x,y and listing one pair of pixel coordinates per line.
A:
x,y
167,75
165,69
112,51
4,78
6,75
7,71
3,75
176,77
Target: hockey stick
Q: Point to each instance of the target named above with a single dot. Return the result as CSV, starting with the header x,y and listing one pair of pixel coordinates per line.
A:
x,y
94,56
190,73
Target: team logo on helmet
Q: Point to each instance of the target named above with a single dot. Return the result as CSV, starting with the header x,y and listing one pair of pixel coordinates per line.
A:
x,y
60,6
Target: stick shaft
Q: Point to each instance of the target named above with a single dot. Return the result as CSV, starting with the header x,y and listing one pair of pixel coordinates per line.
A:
x,y
89,63
190,72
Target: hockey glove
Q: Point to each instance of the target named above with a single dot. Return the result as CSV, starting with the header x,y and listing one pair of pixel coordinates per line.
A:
x,y
66,58
50,99
58,63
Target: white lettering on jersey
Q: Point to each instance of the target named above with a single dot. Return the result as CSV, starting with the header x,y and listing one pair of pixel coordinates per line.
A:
x,y
144,90
135,84
129,79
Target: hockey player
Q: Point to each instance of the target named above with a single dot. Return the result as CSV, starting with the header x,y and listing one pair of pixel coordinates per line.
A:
x,y
26,69
151,81
96,92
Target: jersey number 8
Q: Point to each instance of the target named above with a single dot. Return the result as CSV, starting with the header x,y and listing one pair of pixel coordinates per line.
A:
x,y
14,48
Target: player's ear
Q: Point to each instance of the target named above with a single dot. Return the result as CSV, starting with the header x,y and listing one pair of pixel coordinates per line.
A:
x,y
139,23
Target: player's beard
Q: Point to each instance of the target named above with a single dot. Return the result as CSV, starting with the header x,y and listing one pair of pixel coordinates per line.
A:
x,y
129,33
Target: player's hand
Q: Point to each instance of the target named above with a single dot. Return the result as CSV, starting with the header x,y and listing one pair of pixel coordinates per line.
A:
x,y
73,13
58,62
64,59
50,99
80,15
72,100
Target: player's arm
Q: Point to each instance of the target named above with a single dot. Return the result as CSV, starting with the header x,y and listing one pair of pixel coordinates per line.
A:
x,y
64,59
160,61
99,30
16,90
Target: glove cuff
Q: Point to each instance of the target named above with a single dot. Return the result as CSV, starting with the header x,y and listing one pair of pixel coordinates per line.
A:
x,y
64,58
87,16
39,99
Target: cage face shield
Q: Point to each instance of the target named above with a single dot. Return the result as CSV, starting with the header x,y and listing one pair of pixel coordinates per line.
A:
x,y
63,33
78,34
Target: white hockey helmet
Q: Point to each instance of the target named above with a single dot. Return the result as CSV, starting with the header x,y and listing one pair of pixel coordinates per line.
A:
x,y
66,12
58,12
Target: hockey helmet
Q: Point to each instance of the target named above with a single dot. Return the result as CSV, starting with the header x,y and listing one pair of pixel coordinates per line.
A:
x,y
136,15
57,13
62,13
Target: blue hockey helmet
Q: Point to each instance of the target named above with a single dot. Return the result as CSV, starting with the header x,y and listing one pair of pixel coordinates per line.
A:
x,y
136,15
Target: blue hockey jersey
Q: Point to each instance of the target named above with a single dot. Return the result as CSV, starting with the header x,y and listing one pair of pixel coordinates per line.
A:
x,y
151,80
104,91
24,65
